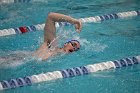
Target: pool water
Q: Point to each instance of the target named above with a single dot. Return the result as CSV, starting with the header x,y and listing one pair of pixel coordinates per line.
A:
x,y
103,41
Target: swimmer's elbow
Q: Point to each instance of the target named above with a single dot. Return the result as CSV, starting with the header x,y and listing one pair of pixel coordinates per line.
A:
x,y
51,15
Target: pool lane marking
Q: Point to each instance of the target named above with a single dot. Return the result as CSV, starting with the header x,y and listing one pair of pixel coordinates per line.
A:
x,y
67,73
38,27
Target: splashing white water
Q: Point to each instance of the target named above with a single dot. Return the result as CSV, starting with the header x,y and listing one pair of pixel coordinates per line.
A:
x,y
14,58
88,45
92,46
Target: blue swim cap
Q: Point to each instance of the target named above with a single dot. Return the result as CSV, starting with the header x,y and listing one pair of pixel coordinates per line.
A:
x,y
73,40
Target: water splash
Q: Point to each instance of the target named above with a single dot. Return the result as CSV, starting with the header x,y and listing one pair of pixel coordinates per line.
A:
x,y
15,58
88,45
91,45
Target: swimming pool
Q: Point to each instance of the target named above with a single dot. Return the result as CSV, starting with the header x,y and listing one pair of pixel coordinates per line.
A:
x,y
109,40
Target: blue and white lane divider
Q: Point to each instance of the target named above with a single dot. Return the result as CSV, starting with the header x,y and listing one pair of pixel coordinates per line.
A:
x,y
95,19
66,73
20,1
14,1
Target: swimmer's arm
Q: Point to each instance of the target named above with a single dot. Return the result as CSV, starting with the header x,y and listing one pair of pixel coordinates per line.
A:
x,y
56,17
62,18
50,29
42,48
50,54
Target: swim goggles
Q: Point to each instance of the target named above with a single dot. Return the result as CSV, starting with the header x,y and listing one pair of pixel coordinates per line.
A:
x,y
73,44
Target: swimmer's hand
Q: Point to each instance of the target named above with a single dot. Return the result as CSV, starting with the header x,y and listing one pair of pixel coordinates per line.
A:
x,y
78,25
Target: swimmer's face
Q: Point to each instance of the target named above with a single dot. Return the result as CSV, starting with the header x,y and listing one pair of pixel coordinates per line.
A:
x,y
71,46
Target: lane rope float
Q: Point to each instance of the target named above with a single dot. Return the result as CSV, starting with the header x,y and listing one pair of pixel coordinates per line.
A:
x,y
25,29
66,73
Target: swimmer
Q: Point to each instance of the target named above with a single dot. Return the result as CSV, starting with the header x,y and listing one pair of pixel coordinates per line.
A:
x,y
50,36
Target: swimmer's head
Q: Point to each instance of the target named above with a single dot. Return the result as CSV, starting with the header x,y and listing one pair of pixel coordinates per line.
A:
x,y
71,46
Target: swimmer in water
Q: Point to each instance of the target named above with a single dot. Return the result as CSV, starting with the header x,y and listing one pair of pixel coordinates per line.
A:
x,y
50,35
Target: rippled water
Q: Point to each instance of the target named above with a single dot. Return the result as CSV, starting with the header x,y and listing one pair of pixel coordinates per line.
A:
x,y
109,40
